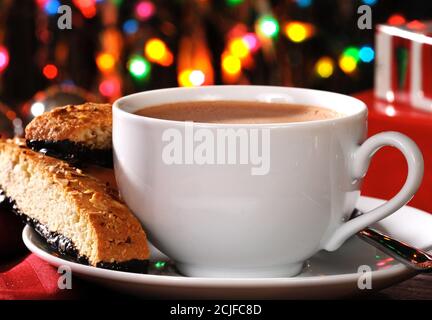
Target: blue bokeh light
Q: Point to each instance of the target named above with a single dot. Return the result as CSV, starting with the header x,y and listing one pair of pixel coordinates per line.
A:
x,y
51,7
370,2
304,3
130,26
367,54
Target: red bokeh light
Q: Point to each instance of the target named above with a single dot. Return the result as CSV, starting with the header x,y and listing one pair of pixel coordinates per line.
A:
x,y
50,71
416,25
110,88
145,9
4,58
397,20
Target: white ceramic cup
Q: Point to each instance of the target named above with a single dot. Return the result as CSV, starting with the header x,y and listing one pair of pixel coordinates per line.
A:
x,y
220,220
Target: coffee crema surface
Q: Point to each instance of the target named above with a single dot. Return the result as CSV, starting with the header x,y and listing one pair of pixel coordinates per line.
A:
x,y
237,112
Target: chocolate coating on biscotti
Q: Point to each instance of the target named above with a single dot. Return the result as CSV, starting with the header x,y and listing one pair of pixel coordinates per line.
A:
x,y
74,133
74,153
64,246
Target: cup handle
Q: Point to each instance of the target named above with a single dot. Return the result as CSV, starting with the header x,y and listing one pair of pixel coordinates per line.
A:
x,y
361,160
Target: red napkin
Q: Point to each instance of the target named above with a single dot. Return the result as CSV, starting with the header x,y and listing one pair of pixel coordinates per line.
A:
x,y
30,278
27,277
24,276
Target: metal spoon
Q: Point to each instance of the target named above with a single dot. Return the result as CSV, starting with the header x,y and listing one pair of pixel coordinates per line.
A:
x,y
412,257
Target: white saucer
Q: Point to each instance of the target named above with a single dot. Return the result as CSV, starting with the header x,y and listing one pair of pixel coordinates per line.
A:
x,y
327,275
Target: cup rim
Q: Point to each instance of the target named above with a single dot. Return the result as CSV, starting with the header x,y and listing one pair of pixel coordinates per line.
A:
x,y
118,105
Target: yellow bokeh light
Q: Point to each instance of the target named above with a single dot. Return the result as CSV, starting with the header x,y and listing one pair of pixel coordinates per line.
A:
x,y
184,78
155,50
239,48
197,78
191,78
105,61
296,31
348,64
324,67
231,65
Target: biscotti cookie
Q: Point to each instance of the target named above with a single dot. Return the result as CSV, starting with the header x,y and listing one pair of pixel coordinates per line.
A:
x,y
78,134
77,214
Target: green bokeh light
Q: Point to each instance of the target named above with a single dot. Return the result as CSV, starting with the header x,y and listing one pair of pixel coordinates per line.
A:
x,y
139,67
268,26
352,52
233,3
118,3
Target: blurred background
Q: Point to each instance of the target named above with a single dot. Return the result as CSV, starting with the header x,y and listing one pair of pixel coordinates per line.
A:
x,y
116,47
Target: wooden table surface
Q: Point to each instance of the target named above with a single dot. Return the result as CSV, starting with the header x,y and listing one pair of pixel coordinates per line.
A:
x,y
417,288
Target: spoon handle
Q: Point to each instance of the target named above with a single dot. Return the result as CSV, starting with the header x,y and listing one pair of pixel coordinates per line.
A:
x,y
402,252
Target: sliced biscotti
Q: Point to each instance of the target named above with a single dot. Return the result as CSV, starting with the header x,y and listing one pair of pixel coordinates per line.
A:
x,y
78,134
76,213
